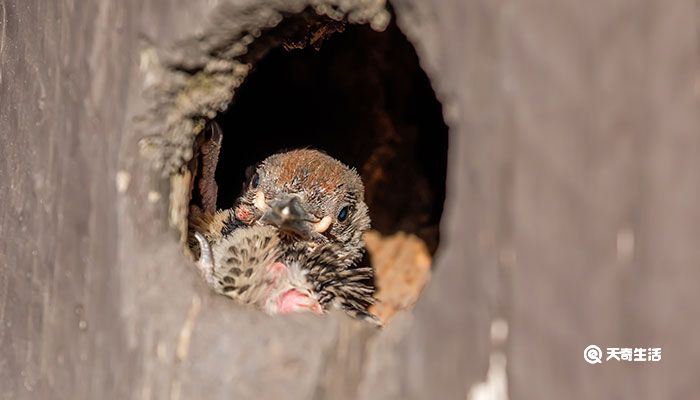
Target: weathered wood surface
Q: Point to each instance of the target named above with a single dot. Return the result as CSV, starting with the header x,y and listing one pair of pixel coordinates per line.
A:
x,y
572,213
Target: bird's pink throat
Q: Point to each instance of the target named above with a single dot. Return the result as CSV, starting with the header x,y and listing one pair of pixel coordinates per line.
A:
x,y
293,301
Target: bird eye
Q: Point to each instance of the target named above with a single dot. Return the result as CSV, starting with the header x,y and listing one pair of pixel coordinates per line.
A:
x,y
343,214
255,181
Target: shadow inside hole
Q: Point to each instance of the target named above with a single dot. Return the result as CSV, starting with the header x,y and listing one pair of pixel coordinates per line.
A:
x,y
364,100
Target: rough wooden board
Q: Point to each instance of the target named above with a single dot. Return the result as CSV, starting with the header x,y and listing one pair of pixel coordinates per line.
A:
x,y
606,217
573,125
95,292
61,116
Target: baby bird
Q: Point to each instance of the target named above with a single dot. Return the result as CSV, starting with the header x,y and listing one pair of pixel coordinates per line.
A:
x,y
245,266
294,239
311,198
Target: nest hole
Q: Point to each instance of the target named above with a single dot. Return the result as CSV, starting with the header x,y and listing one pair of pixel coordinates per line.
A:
x,y
362,97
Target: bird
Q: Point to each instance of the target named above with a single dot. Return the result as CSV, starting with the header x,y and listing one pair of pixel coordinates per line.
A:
x,y
293,240
245,266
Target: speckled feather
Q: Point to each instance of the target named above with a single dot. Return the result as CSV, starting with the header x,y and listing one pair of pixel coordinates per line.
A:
x,y
213,226
350,288
242,262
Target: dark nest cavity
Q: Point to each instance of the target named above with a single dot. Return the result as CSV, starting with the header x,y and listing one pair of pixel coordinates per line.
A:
x,y
360,96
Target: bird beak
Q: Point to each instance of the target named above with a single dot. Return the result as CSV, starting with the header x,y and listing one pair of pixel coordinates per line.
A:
x,y
289,216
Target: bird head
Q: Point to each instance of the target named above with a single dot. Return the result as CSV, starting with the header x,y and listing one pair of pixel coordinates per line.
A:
x,y
310,197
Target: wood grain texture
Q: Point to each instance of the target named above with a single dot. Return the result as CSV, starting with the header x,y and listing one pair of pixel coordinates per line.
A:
x,y
605,190
62,113
572,213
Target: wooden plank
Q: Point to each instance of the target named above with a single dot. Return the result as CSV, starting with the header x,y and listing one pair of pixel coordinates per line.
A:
x,y
606,125
63,101
571,213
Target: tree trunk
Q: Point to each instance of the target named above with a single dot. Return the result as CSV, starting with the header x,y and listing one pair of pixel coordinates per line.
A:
x,y
571,214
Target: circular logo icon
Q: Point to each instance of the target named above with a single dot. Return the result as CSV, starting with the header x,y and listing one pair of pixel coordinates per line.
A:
x,y
593,354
